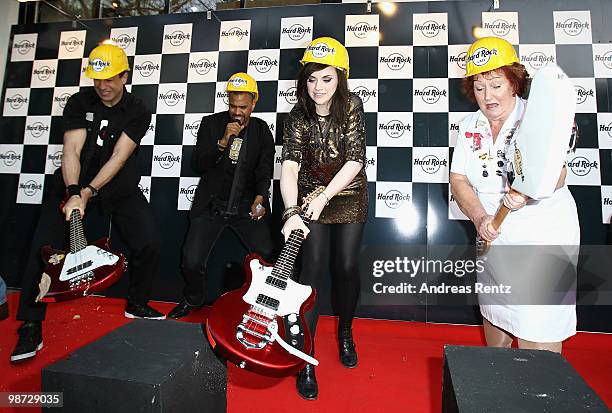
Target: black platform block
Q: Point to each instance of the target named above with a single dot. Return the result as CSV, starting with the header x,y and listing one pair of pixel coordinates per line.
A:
x,y
144,366
485,379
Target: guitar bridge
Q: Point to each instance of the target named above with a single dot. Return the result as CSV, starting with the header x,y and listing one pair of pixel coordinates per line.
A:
x,y
253,332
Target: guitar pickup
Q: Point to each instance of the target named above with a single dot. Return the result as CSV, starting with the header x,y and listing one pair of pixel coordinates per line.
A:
x,y
268,302
79,267
275,282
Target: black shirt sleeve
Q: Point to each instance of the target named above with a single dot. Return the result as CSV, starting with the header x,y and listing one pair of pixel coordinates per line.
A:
x,y
137,127
74,113
206,154
265,167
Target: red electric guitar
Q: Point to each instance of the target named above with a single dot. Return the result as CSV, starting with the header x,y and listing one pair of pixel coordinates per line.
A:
x,y
83,270
261,326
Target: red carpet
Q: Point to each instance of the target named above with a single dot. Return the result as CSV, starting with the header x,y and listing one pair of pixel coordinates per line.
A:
x,y
400,363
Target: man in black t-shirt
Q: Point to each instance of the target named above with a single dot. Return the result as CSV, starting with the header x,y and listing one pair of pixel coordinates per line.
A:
x,y
234,156
103,127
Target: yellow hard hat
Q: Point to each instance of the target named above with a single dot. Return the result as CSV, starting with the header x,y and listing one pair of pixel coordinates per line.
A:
x,y
242,82
327,51
489,53
106,61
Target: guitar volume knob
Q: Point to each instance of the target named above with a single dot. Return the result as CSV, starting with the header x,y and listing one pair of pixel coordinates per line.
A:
x,y
295,329
292,318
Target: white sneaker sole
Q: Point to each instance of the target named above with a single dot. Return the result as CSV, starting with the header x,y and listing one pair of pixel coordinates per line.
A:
x,y
129,315
24,356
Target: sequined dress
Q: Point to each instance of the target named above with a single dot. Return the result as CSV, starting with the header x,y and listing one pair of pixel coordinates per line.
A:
x,y
321,148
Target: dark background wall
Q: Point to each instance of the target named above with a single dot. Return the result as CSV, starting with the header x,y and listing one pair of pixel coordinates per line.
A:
x,y
416,223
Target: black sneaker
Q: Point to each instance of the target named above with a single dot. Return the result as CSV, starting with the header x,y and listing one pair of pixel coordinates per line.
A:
x,y
30,341
133,310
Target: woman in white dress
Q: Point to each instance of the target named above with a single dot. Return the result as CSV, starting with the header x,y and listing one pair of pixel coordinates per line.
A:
x,y
481,167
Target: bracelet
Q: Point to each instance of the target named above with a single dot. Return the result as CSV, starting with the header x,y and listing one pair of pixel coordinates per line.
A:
x,y
289,215
73,190
326,197
94,191
221,147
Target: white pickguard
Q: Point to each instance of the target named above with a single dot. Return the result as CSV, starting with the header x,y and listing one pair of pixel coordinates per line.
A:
x,y
92,256
290,299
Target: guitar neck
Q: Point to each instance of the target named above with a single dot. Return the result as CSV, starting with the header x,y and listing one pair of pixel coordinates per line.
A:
x,y
77,236
286,260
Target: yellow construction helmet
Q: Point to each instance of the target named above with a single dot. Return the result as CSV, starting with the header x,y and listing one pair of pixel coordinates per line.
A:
x,y
489,53
242,82
106,61
327,51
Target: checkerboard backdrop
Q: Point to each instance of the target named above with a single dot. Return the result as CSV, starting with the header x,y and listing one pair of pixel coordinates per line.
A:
x,y
407,68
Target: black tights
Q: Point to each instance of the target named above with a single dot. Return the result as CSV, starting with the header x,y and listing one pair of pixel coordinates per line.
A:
x,y
345,241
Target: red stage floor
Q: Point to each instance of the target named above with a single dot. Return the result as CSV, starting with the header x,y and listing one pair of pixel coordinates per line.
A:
x,y
400,363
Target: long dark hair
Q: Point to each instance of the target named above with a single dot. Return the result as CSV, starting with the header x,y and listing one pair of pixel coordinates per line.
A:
x,y
339,103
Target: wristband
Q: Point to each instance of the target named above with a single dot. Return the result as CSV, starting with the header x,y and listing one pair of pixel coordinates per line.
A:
x,y
73,190
326,197
94,191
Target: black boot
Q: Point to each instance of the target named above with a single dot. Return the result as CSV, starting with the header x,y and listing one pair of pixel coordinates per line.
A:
x,y
348,355
307,383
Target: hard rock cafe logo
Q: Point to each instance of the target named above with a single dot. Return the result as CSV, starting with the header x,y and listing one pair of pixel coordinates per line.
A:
x,y
30,187
430,28
124,40
37,129
430,94
606,59
581,166
144,189
393,198
172,97
189,192
572,26
238,82
296,31
16,101
500,27
395,61
537,60
320,50
203,66
146,68
481,56
459,60
98,65
394,128
24,46
290,95
167,159
263,64
606,128
62,99
193,127
55,158
235,32
177,37
370,163
71,44
361,29
44,73
364,93
582,94
430,164
10,158
607,201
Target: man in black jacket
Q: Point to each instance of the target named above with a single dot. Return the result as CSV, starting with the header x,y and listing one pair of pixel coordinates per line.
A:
x,y
234,155
103,127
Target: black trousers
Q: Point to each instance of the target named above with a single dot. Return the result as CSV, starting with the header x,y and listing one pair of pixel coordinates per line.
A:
x,y
131,215
203,232
344,241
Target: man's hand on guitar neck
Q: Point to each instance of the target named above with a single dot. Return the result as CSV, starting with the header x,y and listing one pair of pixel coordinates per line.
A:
x,y
77,202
